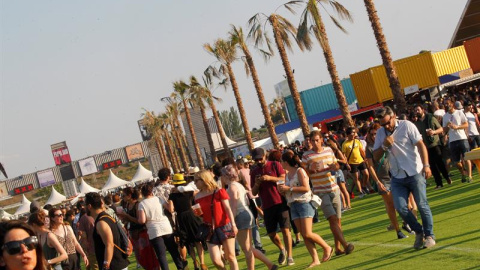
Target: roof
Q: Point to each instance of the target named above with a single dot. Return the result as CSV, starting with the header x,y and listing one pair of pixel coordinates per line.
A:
x,y
85,188
55,197
142,174
114,182
467,27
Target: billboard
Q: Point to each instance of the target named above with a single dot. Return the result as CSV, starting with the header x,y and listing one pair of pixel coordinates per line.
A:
x,y
134,152
66,171
87,166
23,189
146,136
3,189
60,153
112,164
45,178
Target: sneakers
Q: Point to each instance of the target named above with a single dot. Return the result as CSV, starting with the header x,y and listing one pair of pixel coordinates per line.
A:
x,y
290,261
469,180
429,242
418,241
438,187
390,227
282,257
349,249
361,195
274,267
449,181
407,228
400,235
464,179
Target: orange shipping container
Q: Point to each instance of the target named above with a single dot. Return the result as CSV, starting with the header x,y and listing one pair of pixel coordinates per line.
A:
x,y
472,48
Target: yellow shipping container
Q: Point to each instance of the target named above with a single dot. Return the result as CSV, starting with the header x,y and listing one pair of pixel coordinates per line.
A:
x,y
371,86
451,61
417,70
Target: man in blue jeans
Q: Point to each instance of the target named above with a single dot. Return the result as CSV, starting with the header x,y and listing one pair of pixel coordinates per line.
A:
x,y
401,141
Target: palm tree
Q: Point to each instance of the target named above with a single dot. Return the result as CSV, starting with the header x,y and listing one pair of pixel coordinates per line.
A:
x,y
199,95
152,126
165,122
181,93
282,31
237,37
172,114
398,96
312,14
226,53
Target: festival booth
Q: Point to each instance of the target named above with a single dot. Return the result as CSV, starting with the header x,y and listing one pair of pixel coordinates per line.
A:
x,y
141,175
24,208
113,182
55,198
85,188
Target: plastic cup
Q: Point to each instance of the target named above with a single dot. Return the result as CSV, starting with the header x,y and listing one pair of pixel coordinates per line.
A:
x,y
197,210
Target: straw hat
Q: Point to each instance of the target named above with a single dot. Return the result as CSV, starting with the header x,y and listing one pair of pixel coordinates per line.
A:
x,y
178,179
193,170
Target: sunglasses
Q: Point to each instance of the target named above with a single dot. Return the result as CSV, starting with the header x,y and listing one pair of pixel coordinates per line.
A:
x,y
58,215
15,247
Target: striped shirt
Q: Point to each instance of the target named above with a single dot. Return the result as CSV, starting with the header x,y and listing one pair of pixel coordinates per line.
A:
x,y
323,181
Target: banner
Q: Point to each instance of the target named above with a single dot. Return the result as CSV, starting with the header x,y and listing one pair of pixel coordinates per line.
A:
x,y
3,189
60,153
45,178
87,166
66,171
134,152
143,131
22,189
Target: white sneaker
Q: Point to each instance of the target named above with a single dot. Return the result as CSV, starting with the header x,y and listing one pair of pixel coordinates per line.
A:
x,y
290,261
429,242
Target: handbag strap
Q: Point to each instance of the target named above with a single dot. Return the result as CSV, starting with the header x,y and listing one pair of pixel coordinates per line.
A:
x,y
212,209
351,151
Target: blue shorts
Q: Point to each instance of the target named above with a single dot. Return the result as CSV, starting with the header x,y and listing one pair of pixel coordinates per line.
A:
x,y
301,210
458,149
244,220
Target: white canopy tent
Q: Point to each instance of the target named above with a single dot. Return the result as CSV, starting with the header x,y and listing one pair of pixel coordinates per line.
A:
x,y
24,208
142,174
55,197
85,188
114,182
4,214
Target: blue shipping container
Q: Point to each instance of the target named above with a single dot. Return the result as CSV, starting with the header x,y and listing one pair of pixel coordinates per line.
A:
x,y
320,99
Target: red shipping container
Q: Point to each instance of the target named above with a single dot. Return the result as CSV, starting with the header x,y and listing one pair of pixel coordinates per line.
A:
x,y
472,47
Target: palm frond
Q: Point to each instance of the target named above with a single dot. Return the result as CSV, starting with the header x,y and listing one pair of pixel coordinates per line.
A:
x,y
246,66
291,5
337,23
341,11
303,33
266,55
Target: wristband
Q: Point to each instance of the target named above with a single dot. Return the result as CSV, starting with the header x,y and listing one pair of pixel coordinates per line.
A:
x,y
49,261
426,165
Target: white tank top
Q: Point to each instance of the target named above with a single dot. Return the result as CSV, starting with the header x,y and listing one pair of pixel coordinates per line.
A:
x,y
297,196
242,203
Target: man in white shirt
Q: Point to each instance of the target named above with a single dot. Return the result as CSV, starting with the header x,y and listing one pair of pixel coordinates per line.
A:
x,y
408,157
454,124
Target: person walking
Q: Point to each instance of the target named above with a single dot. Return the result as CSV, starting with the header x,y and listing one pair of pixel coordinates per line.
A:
x,y
409,167
297,191
353,149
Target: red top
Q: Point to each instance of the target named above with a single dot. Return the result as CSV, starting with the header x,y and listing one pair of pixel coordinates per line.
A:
x,y
221,216
268,189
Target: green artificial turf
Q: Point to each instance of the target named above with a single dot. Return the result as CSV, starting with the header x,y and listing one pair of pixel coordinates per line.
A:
x,y
456,215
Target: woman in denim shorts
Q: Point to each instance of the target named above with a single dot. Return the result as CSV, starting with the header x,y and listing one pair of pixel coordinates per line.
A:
x,y
297,191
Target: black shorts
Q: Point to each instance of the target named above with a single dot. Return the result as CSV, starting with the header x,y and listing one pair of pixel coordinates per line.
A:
x,y
275,216
357,167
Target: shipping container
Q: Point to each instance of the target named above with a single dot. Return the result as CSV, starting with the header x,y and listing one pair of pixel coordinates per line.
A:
x,y
320,99
371,86
417,70
472,48
450,61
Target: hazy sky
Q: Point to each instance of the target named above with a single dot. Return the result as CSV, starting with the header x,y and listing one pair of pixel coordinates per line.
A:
x,y
81,71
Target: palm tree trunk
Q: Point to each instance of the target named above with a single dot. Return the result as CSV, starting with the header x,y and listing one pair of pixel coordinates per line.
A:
x,y
398,96
183,155
332,70
184,141
172,154
219,127
194,136
161,150
209,134
290,79
261,98
241,109
176,156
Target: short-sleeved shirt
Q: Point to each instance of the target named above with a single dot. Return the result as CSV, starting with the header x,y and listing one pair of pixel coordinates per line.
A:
x,y
351,148
221,217
457,118
323,181
157,223
430,141
472,124
87,225
403,155
268,189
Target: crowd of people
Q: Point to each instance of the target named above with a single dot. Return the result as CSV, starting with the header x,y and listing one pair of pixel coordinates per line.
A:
x,y
219,210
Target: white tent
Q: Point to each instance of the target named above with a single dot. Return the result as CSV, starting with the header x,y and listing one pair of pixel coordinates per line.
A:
x,y
85,188
24,208
142,174
113,182
4,214
55,197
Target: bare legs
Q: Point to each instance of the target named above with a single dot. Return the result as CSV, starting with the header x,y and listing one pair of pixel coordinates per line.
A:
x,y
392,215
310,238
245,241
229,249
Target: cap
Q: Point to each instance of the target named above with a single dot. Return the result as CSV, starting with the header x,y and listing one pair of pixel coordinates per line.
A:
x,y
193,170
178,179
258,153
458,105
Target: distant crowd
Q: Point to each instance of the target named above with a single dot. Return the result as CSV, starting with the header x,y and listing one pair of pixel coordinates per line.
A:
x,y
220,210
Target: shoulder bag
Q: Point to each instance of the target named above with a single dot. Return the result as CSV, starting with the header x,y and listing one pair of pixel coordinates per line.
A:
x,y
205,230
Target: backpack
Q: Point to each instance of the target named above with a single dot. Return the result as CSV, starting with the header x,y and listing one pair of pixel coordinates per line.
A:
x,y
126,246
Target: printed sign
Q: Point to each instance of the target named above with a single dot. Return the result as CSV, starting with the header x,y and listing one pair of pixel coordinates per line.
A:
x,y
21,190
46,178
112,164
134,152
66,171
87,166
60,153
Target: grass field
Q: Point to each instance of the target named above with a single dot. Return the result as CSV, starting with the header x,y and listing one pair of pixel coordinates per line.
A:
x,y
456,214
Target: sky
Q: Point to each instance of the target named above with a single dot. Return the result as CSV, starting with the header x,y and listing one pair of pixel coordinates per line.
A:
x,y
81,71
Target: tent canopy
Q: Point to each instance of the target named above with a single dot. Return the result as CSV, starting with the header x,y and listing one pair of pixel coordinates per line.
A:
x,y
55,197
25,207
113,182
142,174
85,188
